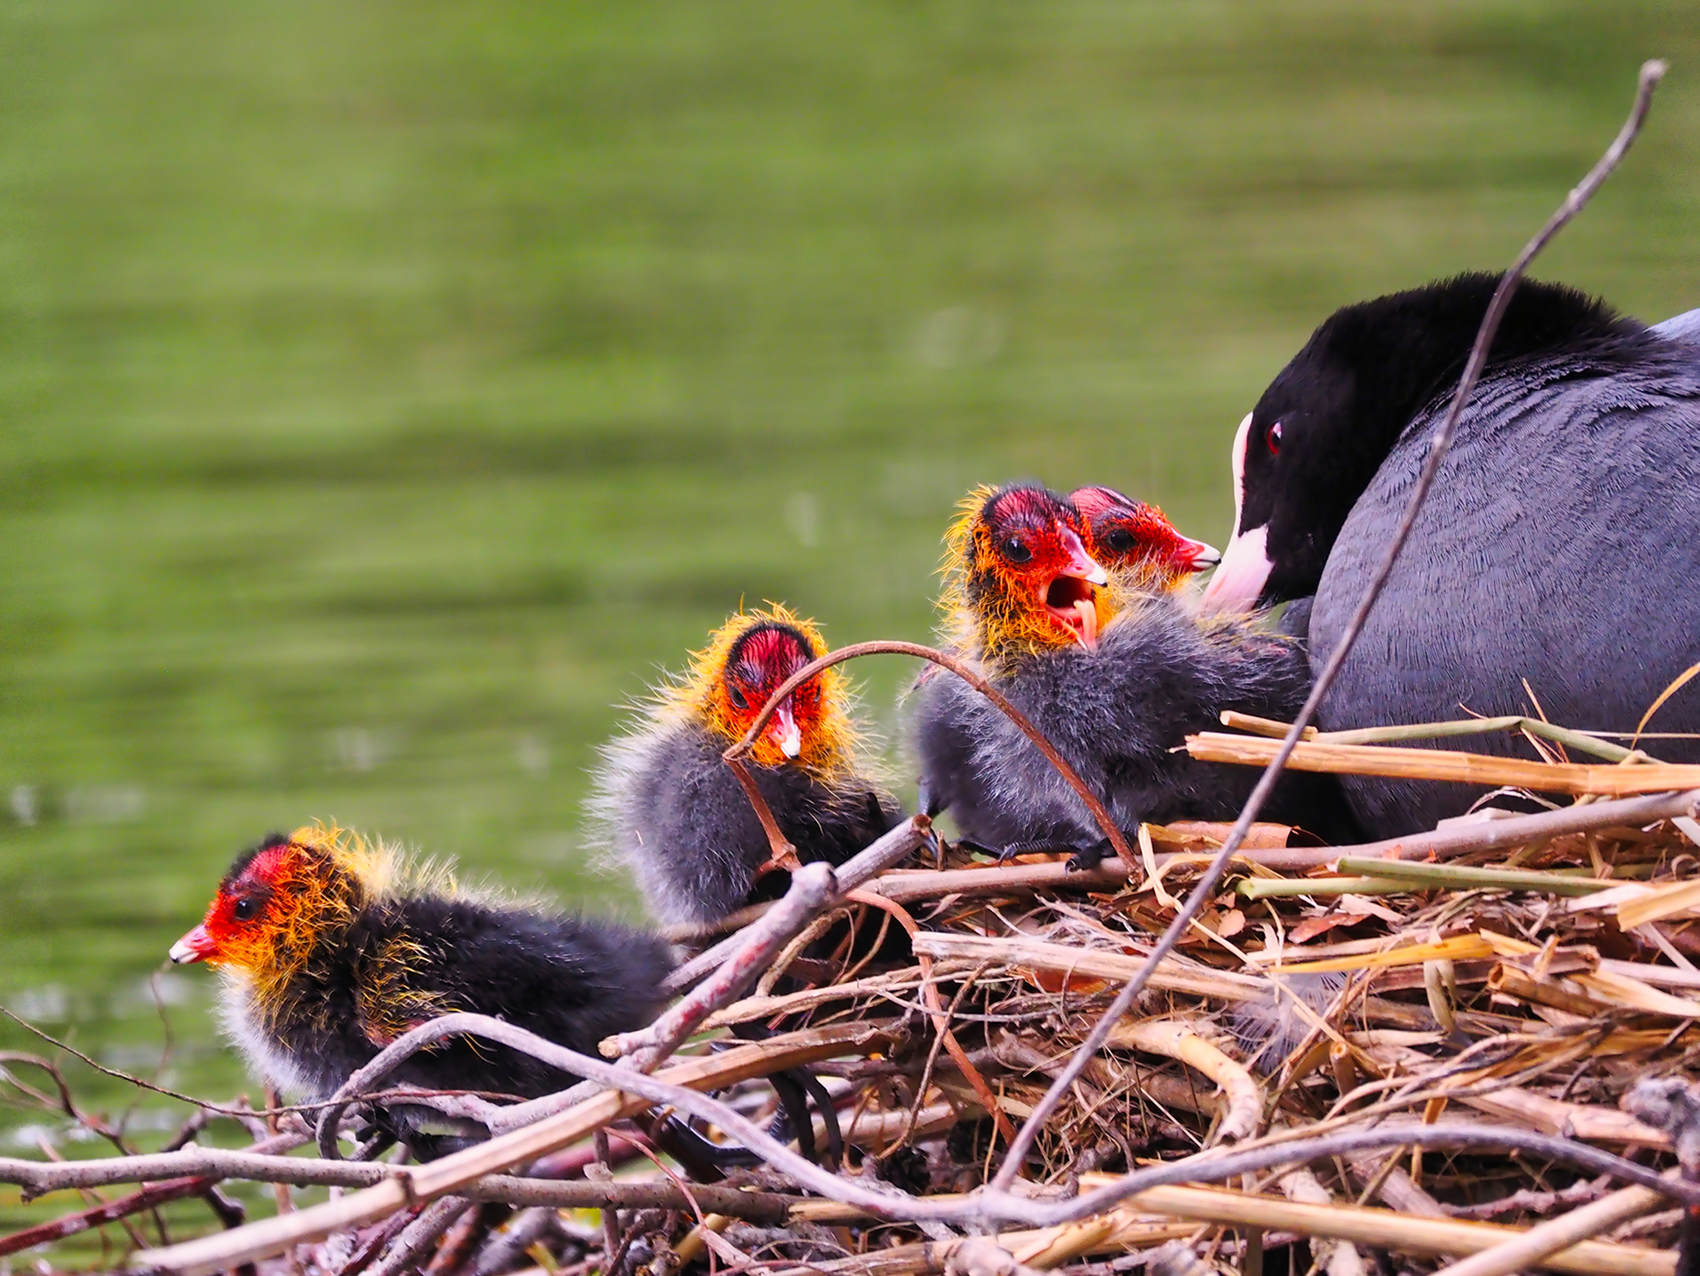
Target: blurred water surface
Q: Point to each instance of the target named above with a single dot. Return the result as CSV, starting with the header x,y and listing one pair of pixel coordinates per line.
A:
x,y
388,391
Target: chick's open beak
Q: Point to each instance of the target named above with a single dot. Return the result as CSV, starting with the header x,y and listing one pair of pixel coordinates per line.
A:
x,y
1074,606
192,947
1080,564
783,728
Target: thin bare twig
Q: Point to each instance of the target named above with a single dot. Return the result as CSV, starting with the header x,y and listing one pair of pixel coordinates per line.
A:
x,y
891,848
812,887
1651,72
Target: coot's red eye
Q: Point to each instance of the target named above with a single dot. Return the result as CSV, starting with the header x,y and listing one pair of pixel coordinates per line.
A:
x,y
1274,438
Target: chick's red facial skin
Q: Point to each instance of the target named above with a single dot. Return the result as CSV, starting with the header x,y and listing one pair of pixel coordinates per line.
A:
x,y
237,913
1128,535
1029,579
270,896
758,662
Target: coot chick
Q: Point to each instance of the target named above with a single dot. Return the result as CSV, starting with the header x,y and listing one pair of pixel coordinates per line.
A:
x,y
671,808
1114,682
1557,545
332,946
1135,542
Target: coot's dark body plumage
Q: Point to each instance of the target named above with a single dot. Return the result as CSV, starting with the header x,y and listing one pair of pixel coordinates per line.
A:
x,y
1571,562
686,827
1116,714
1558,546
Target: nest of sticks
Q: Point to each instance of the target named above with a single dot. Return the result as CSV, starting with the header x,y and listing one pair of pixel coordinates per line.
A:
x,y
1389,1057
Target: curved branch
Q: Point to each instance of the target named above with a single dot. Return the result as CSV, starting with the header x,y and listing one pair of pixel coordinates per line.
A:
x,y
956,666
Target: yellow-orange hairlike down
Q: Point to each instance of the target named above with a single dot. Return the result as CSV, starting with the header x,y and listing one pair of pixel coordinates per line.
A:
x,y
319,879
781,847
1008,621
829,742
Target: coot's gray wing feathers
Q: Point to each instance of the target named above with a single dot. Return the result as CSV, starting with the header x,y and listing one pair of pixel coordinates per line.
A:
x,y
1684,328
1559,545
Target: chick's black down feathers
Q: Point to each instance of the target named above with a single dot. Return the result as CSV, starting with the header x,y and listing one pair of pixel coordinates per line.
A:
x,y
1116,714
570,980
678,816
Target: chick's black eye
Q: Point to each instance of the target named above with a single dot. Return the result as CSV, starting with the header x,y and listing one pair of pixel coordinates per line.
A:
x,y
1273,438
1015,550
246,909
738,700
1119,539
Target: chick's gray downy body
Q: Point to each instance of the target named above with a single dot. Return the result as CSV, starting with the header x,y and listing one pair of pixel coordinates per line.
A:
x,y
1116,713
676,815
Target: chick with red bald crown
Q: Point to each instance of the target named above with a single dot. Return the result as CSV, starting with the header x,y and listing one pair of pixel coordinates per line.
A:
x,y
1114,679
331,946
1137,545
668,806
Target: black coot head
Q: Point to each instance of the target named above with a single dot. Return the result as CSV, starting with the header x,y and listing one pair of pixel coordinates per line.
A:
x,y
1310,447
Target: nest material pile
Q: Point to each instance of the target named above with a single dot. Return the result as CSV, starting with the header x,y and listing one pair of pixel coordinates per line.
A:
x,y
1506,979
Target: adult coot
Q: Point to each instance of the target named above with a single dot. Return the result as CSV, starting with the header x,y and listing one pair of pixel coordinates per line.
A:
x,y
1559,545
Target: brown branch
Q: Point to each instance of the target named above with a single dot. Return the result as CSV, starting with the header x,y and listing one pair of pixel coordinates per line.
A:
x,y
812,887
198,1179
1206,885
1105,824
941,1021
889,849
452,1174
420,1235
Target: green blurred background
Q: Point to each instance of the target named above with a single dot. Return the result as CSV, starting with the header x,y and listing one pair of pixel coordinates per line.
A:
x,y
387,391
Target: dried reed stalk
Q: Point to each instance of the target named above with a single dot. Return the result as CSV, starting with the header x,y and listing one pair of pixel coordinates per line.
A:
x,y
1183,1040
1571,778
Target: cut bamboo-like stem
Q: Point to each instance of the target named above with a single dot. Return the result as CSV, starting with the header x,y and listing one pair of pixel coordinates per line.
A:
x,y
1288,887
1511,982
1572,778
1385,1229
1456,877
1580,740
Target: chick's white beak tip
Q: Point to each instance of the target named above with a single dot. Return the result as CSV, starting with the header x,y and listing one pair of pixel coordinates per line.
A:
x,y
182,953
